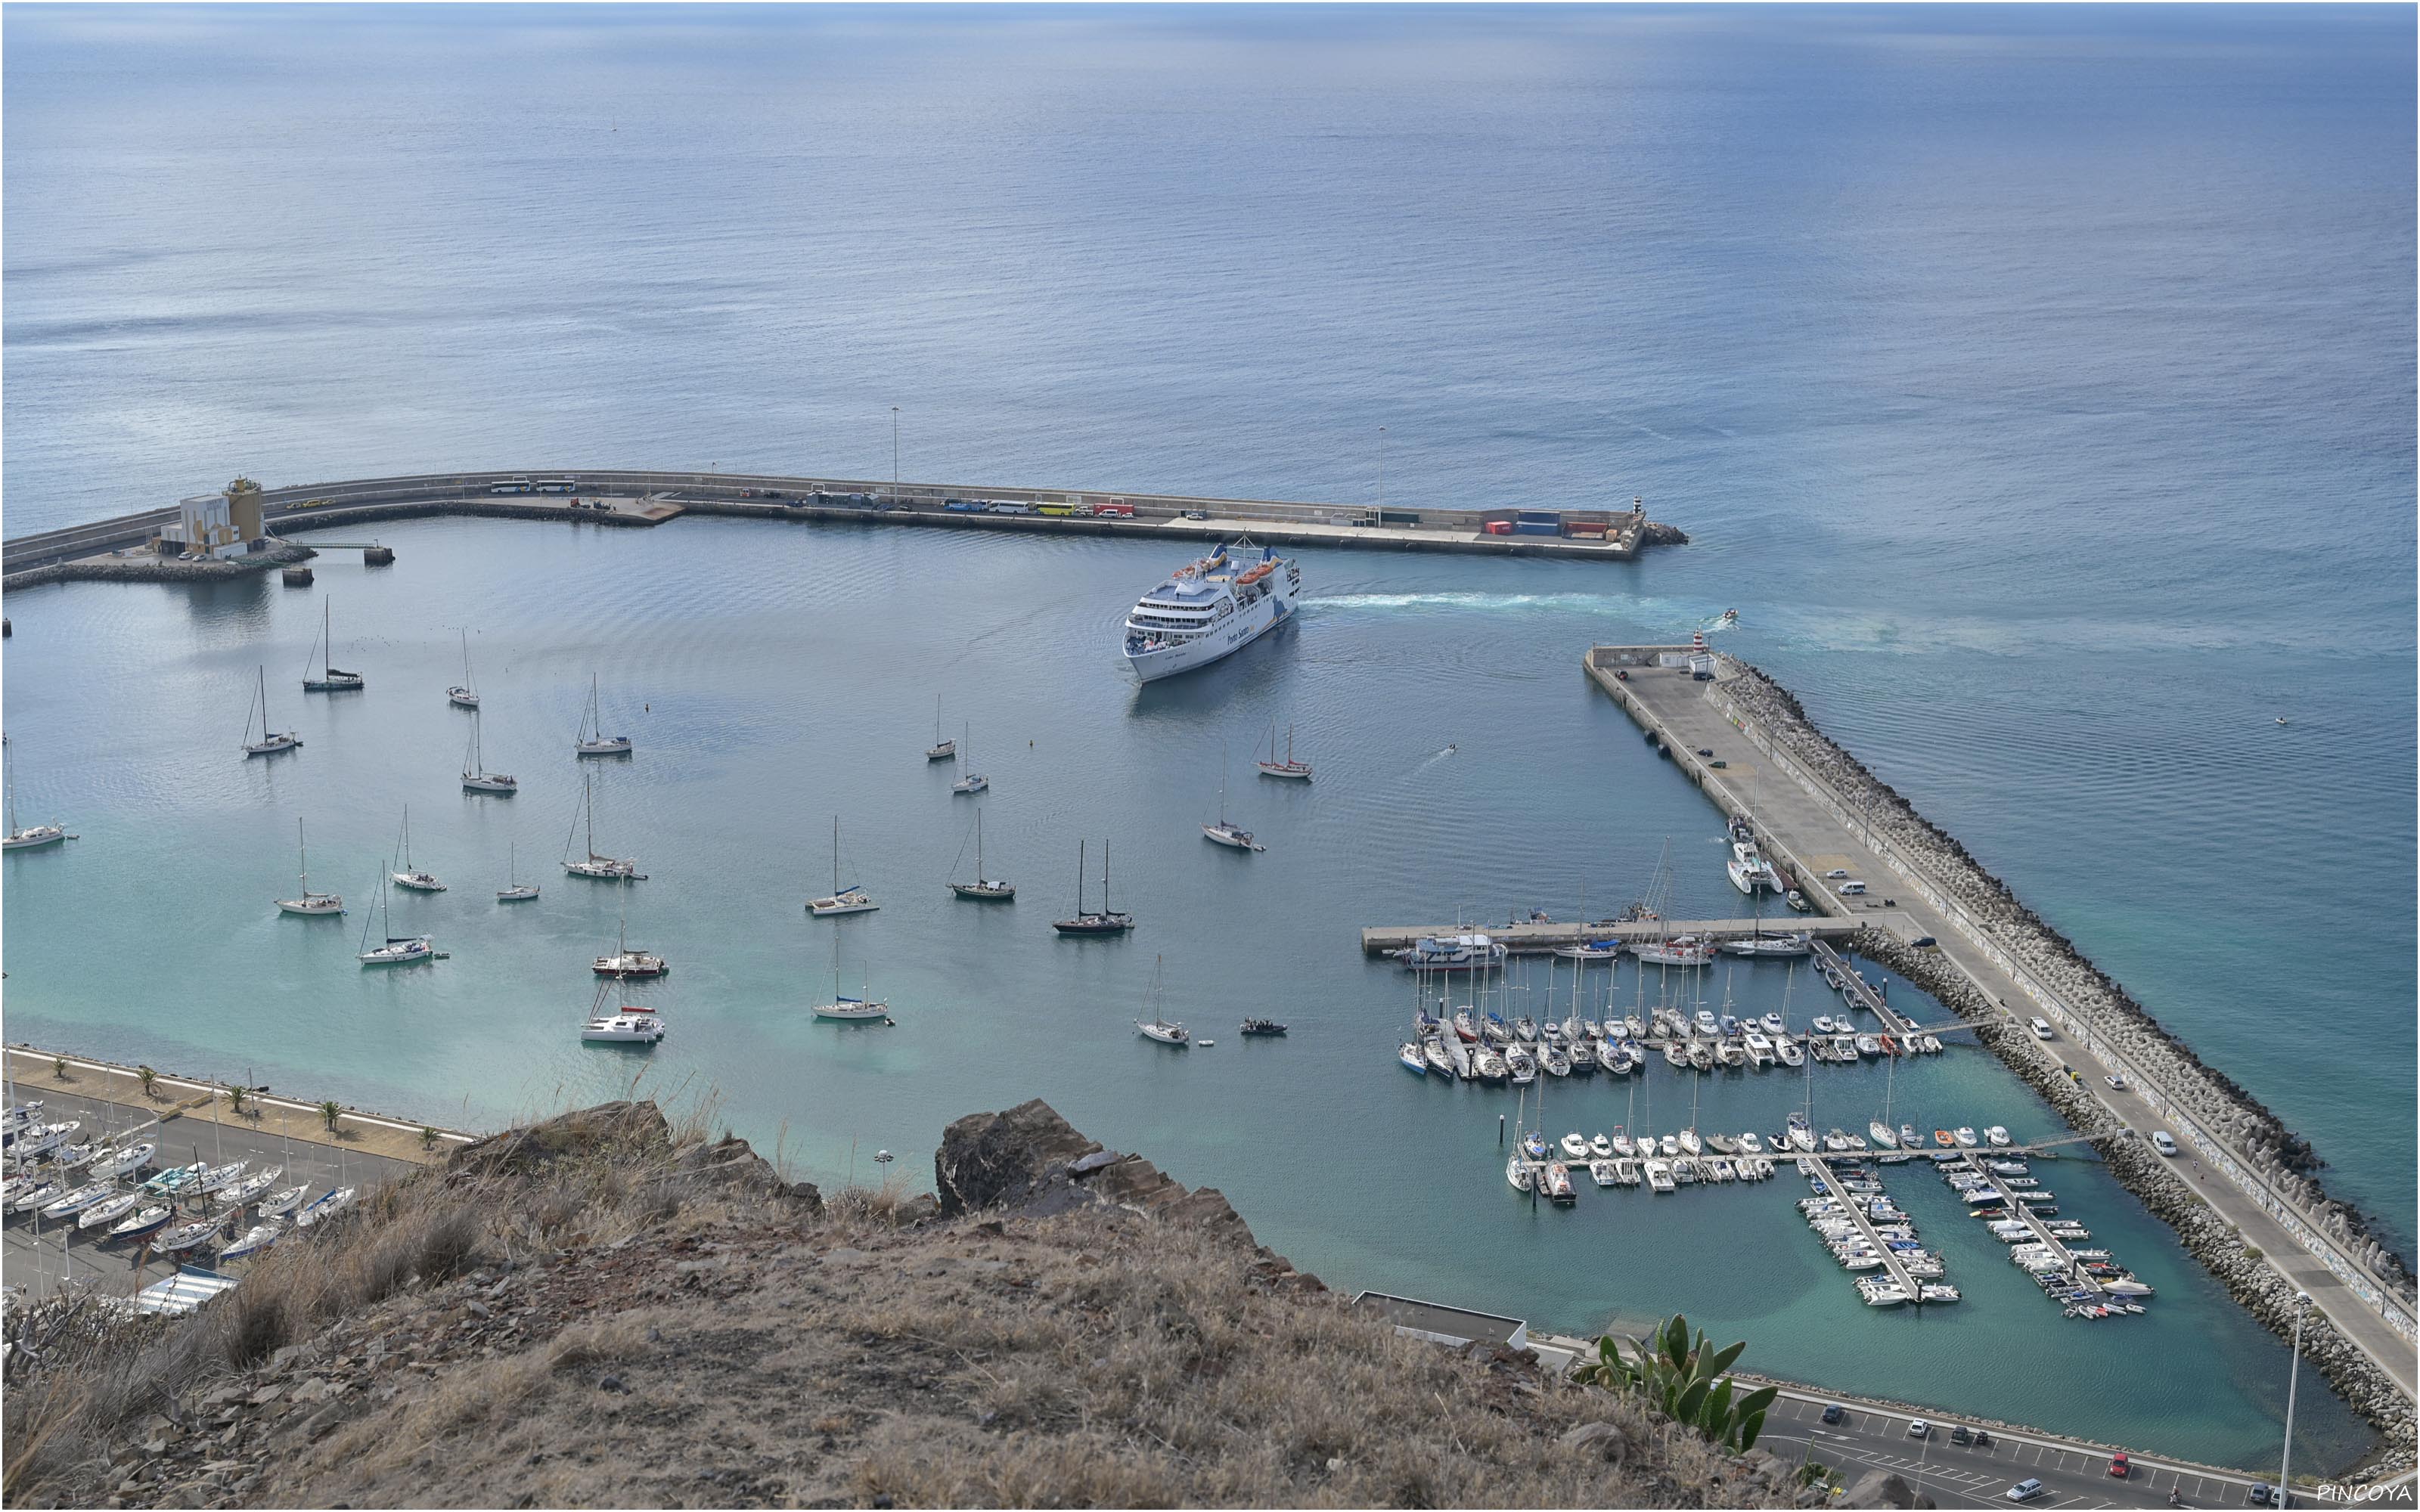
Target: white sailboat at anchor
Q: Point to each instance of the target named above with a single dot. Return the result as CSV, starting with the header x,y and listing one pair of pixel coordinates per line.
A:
x,y
1297,771
1159,1029
939,750
982,889
514,890
969,780
20,839
596,867
849,899
592,739
309,904
270,741
331,679
1225,833
476,776
397,950
464,695
412,876
850,1009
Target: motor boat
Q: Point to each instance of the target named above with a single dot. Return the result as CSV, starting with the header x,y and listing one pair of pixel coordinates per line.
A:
x,y
1995,1137
1964,1135
1575,1147
1558,1183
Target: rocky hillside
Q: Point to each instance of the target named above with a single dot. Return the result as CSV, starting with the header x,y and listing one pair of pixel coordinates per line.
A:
x,y
593,1311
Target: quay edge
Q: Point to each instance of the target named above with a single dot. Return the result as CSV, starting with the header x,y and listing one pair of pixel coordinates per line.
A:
x,y
2258,1225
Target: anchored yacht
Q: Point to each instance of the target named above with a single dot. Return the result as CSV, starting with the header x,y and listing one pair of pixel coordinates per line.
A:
x,y
1210,609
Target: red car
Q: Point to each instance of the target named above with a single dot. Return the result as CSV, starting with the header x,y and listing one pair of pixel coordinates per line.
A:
x,y
2118,1465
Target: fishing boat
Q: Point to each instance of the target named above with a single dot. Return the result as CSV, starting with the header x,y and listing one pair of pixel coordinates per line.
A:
x,y
324,1208
590,864
309,904
476,776
1106,921
864,1010
331,679
619,1023
1231,835
939,750
969,780
1451,953
1159,1027
1289,767
849,899
396,949
412,876
628,961
982,889
20,838
1208,610
270,741
464,695
514,890
592,740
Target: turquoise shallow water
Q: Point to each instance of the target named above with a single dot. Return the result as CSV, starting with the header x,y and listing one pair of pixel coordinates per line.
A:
x,y
774,676
2036,381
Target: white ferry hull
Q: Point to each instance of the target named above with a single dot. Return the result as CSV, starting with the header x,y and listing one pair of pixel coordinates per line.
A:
x,y
1153,659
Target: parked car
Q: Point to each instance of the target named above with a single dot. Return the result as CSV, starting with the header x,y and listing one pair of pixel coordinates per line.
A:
x,y
2163,1142
1195,514
1705,750
1919,1429
1924,942
1837,872
2025,1489
1831,1411
1959,1434
2261,1494
2116,1083
2118,1466
2041,1029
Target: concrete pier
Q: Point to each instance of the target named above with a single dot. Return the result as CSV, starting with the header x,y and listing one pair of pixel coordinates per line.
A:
x,y
643,499
1811,825
1539,939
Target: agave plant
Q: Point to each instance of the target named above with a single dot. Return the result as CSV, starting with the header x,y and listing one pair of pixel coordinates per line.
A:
x,y
1686,1382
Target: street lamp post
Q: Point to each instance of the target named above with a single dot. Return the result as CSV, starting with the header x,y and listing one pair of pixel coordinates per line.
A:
x,y
895,449
1382,475
2285,1459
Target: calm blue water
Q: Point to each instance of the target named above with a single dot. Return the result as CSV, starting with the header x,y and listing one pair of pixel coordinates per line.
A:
x,y
2036,383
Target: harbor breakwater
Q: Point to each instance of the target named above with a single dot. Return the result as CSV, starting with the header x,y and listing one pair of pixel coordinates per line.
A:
x,y
2207,1237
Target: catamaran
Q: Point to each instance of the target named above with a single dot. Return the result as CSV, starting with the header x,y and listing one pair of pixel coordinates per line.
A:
x,y
18,839
1222,832
849,899
464,695
310,904
939,750
270,741
514,890
969,780
982,889
1159,1027
411,876
601,868
331,679
625,960
1208,610
397,950
1289,767
628,1023
476,776
1106,921
592,739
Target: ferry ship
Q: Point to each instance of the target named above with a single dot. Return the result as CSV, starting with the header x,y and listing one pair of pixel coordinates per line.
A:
x,y
1210,609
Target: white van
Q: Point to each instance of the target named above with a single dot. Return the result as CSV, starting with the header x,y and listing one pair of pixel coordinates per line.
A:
x,y
2041,1029
2161,1142
1852,890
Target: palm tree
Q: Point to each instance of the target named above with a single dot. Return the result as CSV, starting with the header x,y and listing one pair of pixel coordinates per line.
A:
x,y
235,1101
330,1112
146,1076
427,1136
59,1067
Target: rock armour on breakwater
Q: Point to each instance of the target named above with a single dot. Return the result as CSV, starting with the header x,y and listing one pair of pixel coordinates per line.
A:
x,y
2206,1236
2209,1095
152,570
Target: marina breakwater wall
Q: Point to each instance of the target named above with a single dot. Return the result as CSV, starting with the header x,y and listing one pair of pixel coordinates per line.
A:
x,y
2156,1180
151,570
2240,1134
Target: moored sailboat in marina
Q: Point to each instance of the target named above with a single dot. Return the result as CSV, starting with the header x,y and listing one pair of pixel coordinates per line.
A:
x,y
593,866
408,875
514,890
394,950
476,776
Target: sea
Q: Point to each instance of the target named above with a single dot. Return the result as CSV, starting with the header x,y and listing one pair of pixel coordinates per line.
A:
x,y
2034,382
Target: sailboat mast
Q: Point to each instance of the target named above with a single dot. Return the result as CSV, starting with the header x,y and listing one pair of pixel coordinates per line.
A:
x,y
979,875
1105,876
302,852
1079,879
8,752
835,864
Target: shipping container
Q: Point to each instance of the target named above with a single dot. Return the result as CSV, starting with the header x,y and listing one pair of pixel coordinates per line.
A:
x,y
1541,517
1532,527
1499,527
1584,527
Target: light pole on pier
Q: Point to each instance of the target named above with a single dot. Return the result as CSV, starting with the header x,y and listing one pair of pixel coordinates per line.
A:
x,y
1382,475
2285,1459
894,448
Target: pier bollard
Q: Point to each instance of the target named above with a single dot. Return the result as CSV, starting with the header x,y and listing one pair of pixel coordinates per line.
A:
x,y
296,577
377,556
